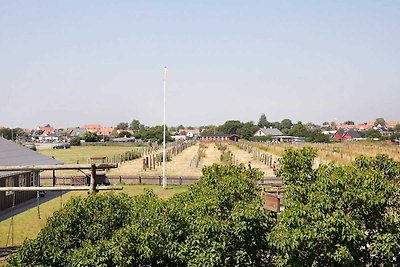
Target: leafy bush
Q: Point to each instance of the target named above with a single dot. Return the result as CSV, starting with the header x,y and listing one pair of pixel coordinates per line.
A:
x,y
338,215
75,141
216,222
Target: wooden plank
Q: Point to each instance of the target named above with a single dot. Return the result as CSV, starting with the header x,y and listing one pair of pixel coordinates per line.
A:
x,y
58,167
60,188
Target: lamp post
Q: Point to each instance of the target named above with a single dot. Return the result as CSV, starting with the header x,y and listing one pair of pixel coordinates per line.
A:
x,y
164,151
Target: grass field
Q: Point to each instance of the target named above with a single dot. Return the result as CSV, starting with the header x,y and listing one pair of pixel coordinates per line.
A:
x,y
341,153
81,154
28,225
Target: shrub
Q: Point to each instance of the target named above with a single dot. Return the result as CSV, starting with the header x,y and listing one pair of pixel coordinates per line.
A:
x,y
75,141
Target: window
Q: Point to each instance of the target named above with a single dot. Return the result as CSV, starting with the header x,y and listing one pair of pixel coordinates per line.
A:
x,y
22,180
34,179
10,183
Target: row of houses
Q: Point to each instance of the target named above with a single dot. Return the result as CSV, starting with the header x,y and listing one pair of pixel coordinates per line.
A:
x,y
50,134
387,126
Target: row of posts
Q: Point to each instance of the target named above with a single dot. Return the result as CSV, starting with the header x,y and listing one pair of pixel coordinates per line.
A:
x,y
151,161
263,157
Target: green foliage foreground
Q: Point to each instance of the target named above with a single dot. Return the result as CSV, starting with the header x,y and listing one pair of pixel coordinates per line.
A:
x,y
334,216
216,222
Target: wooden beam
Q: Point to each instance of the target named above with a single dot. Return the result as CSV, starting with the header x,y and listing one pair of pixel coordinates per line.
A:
x,y
92,179
59,167
59,188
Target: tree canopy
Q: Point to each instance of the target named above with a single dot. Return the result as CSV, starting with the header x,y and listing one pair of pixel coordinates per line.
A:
x,y
122,126
338,215
217,222
263,122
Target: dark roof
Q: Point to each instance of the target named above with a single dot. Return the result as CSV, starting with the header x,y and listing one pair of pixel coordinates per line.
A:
x,y
354,134
341,131
12,154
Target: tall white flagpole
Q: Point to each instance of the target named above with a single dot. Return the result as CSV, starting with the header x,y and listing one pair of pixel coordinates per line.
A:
x,y
164,149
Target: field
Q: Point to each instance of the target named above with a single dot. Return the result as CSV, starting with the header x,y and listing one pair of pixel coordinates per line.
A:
x,y
27,224
341,153
81,154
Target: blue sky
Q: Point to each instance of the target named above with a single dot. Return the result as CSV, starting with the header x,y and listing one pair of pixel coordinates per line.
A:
x,y
73,62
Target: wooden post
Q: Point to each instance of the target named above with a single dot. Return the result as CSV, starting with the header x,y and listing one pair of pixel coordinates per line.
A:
x,y
93,179
54,178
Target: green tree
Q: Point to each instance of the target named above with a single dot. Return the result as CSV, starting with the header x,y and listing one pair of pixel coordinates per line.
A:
x,y
156,134
247,130
125,133
217,222
338,215
263,122
5,133
122,126
316,136
380,121
230,127
397,127
286,124
135,125
299,130
75,141
276,124
90,137
373,133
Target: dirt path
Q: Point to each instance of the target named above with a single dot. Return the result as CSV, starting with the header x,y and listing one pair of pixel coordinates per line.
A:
x,y
180,165
244,157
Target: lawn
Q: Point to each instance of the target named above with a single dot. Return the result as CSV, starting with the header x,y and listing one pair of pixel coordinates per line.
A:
x,y
81,154
28,225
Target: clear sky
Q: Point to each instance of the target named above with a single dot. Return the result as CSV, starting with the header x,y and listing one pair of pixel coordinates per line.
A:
x,y
73,62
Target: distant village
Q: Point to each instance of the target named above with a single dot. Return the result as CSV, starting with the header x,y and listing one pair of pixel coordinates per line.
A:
x,y
232,130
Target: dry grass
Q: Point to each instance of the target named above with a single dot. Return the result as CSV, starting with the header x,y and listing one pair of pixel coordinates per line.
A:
x,y
341,153
180,165
244,157
28,225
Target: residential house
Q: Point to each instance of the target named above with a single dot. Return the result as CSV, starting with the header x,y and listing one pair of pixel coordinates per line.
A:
x,y
77,132
190,133
338,134
342,135
94,128
391,124
268,132
351,134
107,131
12,154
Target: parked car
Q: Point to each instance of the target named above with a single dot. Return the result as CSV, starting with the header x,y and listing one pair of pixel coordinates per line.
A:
x,y
62,146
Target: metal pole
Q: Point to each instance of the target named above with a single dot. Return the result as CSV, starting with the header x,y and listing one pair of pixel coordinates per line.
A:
x,y
164,152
